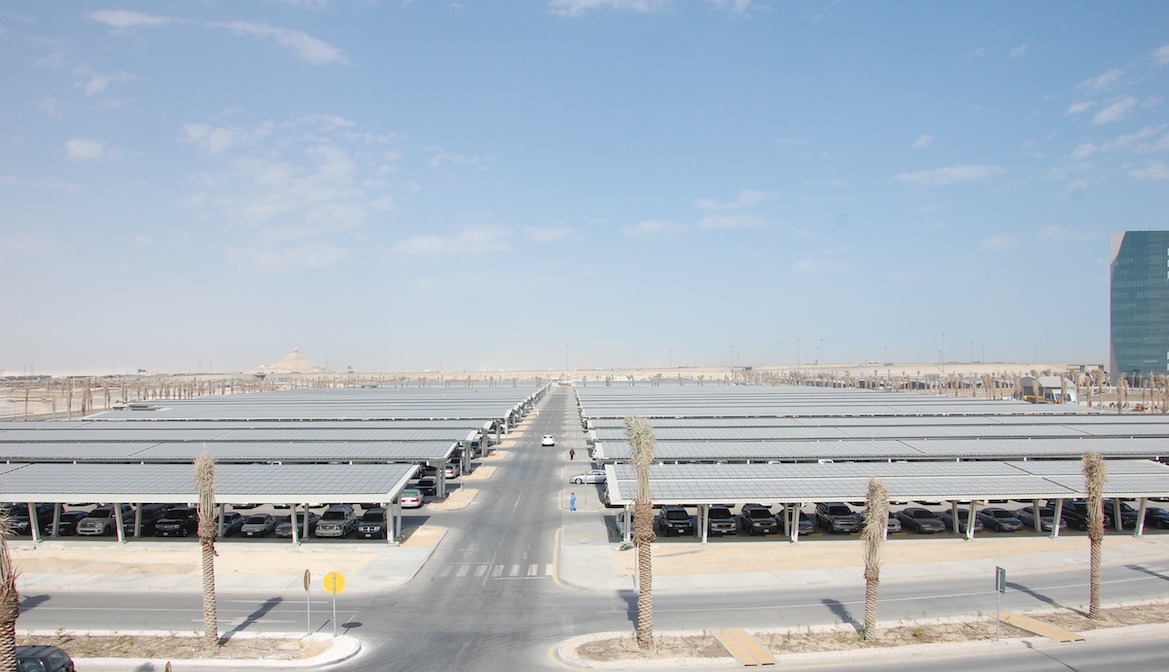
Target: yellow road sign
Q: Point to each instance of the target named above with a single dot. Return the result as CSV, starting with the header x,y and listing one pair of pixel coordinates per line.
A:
x,y
334,582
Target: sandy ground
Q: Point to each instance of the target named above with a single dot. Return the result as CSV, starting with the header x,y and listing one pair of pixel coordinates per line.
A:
x,y
457,499
680,559
426,536
269,560
480,474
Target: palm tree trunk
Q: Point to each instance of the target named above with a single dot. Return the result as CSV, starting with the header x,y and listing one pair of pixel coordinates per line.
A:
x,y
9,600
639,434
1095,474
205,482
876,521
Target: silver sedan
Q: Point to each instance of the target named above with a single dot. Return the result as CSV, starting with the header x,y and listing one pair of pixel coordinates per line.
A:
x,y
591,476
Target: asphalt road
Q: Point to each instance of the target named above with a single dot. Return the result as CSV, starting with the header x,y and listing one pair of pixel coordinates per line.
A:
x,y
487,601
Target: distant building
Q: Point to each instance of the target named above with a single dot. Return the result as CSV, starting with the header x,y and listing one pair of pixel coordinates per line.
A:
x,y
293,362
1139,333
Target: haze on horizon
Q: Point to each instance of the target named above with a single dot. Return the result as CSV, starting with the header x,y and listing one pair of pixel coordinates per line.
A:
x,y
597,183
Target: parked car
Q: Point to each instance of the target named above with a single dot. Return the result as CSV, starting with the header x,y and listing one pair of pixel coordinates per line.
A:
x,y
284,525
101,521
180,521
372,524
720,520
1075,512
675,521
922,521
963,520
451,470
1128,515
891,525
806,524
42,658
758,519
837,517
232,523
338,521
1157,517
410,498
1000,520
67,525
258,525
548,440
1046,518
427,486
590,476
22,524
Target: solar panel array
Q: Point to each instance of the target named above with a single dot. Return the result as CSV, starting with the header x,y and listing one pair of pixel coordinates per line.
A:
x,y
921,446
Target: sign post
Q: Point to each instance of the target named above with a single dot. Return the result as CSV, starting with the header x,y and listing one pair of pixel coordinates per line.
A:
x,y
308,604
1000,587
334,583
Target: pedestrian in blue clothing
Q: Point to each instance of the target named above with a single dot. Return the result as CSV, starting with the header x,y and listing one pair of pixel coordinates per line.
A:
x,y
572,501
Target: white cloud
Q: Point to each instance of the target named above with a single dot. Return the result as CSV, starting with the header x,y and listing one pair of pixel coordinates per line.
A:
x,y
790,142
1074,189
308,256
51,106
1076,108
652,227
1118,110
472,240
211,140
306,46
273,187
746,197
1131,140
732,6
441,158
329,122
948,175
38,184
97,83
1063,234
1156,170
928,208
1019,51
923,142
740,221
1162,55
1003,241
124,18
549,234
1104,82
88,149
829,266
578,7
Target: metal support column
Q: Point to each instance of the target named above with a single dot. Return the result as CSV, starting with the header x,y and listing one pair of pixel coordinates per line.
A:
x,y
1140,528
1056,517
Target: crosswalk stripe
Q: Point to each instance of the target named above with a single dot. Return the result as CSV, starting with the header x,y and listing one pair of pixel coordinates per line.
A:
x,y
480,570
547,570
497,571
515,570
462,571
532,569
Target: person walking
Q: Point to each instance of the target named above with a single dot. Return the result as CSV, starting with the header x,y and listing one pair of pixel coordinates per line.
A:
x,y
572,501
572,453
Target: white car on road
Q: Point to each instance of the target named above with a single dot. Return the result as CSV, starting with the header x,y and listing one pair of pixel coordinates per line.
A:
x,y
590,476
548,440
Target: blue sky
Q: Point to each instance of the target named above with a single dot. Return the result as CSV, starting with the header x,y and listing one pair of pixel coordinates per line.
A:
x,y
188,186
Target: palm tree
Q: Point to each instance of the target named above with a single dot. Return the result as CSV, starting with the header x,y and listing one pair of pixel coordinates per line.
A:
x,y
639,433
205,484
1095,474
876,521
9,598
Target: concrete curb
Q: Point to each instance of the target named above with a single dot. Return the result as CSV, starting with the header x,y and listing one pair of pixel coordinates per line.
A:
x,y
344,647
566,652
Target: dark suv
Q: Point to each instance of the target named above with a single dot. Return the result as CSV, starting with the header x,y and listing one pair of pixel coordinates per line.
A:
x,y
22,524
180,521
758,519
675,520
1075,511
42,659
1128,515
720,520
837,517
372,524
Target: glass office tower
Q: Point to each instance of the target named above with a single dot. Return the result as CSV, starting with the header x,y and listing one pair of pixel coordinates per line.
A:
x,y
1140,305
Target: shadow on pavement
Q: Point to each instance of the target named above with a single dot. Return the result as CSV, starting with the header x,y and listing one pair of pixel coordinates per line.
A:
x,y
256,615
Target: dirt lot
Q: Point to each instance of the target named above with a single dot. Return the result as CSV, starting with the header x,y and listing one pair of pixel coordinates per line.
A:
x,y
603,648
679,559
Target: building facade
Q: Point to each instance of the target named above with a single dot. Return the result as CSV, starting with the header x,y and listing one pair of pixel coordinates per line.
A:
x,y
1139,332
